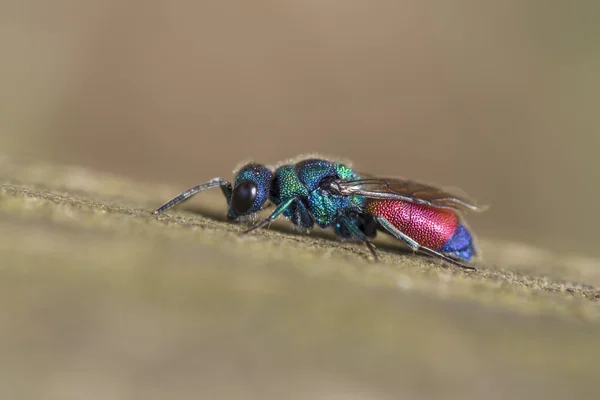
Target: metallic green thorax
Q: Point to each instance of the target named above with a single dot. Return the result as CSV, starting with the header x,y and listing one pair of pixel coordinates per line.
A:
x,y
313,204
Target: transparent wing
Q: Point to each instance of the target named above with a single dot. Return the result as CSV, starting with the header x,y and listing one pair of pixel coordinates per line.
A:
x,y
407,190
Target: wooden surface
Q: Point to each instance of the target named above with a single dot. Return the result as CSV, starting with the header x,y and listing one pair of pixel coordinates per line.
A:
x,y
100,299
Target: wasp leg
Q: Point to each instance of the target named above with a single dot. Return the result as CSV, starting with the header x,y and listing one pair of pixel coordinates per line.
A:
x,y
225,187
359,234
416,246
276,213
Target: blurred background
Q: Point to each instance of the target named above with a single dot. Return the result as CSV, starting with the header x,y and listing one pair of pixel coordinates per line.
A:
x,y
497,98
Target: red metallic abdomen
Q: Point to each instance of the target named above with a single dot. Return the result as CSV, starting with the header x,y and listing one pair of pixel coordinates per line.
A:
x,y
430,227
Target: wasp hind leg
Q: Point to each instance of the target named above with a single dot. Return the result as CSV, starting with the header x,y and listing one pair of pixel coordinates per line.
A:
x,y
417,247
360,235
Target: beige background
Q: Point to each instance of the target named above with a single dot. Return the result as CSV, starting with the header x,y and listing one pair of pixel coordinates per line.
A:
x,y
498,98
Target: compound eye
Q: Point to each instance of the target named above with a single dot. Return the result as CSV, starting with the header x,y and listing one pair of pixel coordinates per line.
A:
x,y
243,196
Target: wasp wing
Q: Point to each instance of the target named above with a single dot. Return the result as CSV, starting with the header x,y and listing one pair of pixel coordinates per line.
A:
x,y
407,190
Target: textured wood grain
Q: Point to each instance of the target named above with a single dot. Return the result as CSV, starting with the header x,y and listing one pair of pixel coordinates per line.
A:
x,y
100,299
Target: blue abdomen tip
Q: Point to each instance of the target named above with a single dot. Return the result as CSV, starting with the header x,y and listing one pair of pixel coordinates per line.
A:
x,y
460,245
